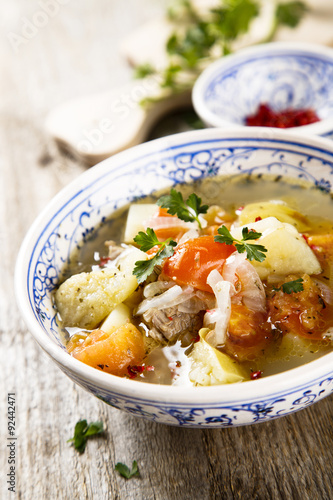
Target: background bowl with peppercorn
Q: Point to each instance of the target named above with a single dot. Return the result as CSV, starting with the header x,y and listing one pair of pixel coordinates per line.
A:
x,y
71,220
280,85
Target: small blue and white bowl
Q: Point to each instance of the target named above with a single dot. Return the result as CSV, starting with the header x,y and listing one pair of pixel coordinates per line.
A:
x,y
282,75
71,217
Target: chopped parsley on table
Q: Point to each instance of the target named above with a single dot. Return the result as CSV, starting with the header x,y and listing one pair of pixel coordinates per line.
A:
x,y
83,431
126,472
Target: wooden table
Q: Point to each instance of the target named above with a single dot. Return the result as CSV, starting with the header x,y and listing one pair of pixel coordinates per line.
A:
x,y
75,53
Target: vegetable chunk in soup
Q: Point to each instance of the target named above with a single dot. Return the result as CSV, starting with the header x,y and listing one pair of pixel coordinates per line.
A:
x,y
202,294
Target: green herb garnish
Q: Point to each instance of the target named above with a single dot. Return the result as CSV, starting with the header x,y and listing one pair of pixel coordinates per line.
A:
x,y
125,471
83,431
201,38
188,211
294,286
290,13
146,241
253,251
287,14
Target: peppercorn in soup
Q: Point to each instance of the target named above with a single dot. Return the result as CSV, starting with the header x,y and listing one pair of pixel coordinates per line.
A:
x,y
217,282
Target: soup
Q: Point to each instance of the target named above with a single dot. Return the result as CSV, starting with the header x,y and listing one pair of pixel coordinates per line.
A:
x,y
175,291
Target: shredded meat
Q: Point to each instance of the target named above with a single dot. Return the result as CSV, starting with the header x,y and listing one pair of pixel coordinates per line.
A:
x,y
166,325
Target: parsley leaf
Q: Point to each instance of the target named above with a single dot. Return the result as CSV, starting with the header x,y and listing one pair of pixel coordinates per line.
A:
x,y
146,241
233,19
82,431
188,211
290,13
286,14
253,251
126,472
144,70
289,287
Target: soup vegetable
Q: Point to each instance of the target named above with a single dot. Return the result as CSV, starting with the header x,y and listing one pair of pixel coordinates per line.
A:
x,y
204,295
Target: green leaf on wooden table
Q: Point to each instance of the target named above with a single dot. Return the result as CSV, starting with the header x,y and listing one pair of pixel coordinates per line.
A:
x,y
83,431
126,472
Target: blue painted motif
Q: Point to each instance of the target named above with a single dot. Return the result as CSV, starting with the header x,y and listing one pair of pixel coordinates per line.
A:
x,y
77,218
283,80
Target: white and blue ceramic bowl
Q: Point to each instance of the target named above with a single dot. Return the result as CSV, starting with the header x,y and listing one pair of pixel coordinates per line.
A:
x,y
74,213
282,75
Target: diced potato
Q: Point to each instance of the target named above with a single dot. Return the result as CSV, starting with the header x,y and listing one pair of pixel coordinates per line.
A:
x,y
212,367
126,261
118,317
112,352
280,211
85,299
137,214
287,251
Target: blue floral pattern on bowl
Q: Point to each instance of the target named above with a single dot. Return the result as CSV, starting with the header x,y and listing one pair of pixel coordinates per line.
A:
x,y
282,75
82,206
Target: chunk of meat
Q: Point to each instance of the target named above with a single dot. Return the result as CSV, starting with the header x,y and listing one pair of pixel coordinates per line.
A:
x,y
168,324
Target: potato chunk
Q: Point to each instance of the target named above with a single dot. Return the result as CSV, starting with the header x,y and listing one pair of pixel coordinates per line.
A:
x,y
280,211
85,299
112,352
212,367
287,250
137,214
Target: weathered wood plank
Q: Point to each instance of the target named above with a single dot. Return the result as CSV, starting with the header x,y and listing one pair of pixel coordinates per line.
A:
x,y
75,53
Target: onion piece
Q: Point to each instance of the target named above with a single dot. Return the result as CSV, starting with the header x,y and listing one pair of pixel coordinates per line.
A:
x,y
189,235
156,287
221,314
202,301
252,292
325,291
172,297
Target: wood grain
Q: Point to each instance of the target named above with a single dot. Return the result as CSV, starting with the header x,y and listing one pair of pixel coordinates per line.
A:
x,y
73,54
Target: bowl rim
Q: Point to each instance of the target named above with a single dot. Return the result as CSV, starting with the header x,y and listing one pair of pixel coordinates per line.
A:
x,y
322,127
269,387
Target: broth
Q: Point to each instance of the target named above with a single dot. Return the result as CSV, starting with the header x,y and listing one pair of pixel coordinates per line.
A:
x,y
171,363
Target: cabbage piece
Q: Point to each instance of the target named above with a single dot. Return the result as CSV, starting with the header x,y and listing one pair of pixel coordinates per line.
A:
x,y
252,292
85,299
221,314
212,367
277,209
287,250
171,297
